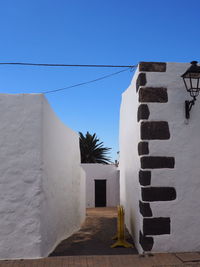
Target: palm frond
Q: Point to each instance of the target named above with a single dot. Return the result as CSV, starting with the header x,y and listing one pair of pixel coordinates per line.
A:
x,y
93,151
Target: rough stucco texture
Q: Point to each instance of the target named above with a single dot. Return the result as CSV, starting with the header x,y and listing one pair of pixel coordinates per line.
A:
x,y
41,182
109,173
129,162
183,145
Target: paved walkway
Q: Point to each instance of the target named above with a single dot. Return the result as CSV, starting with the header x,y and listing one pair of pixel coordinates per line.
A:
x,y
95,236
158,260
94,239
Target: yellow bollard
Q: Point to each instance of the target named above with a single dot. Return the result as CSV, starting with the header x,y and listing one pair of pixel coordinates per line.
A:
x,y
121,242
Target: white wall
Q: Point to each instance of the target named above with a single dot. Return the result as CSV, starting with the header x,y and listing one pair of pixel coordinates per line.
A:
x,y
62,182
95,171
41,180
183,145
129,164
20,175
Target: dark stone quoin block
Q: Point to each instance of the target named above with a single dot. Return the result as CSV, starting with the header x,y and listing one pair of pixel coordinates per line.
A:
x,y
143,112
152,66
156,226
158,193
153,94
154,130
146,242
143,148
141,80
145,177
157,162
145,209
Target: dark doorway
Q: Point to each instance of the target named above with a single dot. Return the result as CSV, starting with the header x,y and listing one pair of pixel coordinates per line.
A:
x,y
100,193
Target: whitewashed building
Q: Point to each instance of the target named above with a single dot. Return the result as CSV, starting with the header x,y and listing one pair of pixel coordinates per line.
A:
x,y
102,185
42,186
160,160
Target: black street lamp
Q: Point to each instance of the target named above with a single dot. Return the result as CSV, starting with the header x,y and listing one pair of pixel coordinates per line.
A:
x,y
191,80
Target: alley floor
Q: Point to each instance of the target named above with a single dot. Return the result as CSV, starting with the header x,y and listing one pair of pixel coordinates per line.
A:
x,y
157,260
90,247
95,236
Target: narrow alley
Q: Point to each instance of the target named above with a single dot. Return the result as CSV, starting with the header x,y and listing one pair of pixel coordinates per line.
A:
x,y
95,236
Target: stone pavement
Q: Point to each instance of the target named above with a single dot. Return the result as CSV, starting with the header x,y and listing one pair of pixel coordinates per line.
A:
x,y
90,247
158,260
95,236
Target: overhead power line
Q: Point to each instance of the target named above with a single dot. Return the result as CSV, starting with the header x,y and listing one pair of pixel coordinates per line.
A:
x,y
66,65
84,83
128,67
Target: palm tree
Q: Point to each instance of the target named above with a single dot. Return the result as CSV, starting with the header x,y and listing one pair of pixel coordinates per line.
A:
x,y
92,151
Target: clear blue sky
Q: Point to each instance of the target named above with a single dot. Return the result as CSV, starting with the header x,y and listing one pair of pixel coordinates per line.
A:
x,y
92,32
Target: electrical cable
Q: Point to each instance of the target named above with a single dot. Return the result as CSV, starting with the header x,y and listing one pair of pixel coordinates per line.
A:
x,y
66,65
83,83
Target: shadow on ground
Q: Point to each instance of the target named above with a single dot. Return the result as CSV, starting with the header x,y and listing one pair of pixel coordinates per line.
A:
x,y
94,238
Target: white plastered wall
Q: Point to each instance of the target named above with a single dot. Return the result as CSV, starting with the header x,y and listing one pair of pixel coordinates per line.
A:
x,y
63,181
183,145
129,164
20,175
110,173
41,181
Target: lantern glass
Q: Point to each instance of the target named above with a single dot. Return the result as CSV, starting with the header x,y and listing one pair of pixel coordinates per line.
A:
x,y
191,79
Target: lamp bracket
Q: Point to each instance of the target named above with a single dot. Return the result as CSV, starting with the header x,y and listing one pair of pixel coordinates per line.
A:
x,y
188,107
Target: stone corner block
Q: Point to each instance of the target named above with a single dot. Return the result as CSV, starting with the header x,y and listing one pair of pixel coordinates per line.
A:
x,y
144,177
153,95
143,112
153,66
143,148
154,130
146,242
158,193
157,162
145,209
141,80
156,226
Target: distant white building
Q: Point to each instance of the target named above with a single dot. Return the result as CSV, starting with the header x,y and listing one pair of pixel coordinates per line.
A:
x,y
102,185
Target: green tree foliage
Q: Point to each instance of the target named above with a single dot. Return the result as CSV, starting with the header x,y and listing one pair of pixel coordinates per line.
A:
x,y
93,151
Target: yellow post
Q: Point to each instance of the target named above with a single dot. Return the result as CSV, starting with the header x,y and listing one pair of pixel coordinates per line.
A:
x,y
121,242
